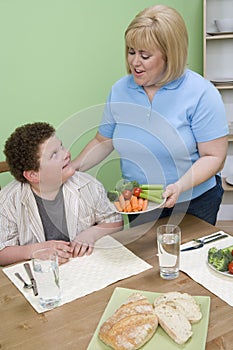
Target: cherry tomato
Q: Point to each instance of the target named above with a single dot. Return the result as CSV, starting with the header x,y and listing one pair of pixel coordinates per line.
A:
x,y
137,191
127,194
230,267
232,252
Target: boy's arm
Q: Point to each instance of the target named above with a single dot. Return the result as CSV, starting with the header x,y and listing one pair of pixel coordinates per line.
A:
x,y
14,254
84,241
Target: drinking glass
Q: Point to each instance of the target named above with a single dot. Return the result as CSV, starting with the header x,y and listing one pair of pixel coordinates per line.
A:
x,y
46,273
168,242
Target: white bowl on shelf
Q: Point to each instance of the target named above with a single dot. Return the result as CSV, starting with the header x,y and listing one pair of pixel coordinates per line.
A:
x,y
224,24
229,180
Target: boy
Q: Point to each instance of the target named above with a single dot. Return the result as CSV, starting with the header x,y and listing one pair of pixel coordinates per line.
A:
x,y
49,204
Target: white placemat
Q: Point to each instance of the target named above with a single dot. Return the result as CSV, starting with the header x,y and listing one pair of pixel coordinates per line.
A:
x,y
194,263
109,262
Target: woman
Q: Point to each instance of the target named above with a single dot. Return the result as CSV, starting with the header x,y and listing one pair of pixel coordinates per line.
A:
x,y
167,122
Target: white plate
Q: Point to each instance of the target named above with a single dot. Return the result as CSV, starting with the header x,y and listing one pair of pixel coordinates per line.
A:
x,y
225,273
219,33
229,180
151,206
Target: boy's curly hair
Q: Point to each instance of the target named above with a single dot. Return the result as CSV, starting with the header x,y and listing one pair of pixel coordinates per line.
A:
x,y
22,148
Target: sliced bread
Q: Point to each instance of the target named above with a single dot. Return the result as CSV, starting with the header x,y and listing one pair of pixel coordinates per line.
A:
x,y
182,302
173,322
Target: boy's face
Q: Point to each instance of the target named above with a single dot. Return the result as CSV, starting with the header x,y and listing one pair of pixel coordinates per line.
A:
x,y
55,165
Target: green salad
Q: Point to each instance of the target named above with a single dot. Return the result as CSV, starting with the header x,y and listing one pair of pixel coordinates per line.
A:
x,y
221,259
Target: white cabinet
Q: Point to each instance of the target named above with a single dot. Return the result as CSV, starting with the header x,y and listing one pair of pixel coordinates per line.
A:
x,y
218,68
218,51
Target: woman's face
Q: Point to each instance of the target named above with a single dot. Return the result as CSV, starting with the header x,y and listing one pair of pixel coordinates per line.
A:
x,y
147,67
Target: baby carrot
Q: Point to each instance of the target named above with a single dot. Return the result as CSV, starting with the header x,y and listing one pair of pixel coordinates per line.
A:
x,y
134,203
127,203
140,203
145,204
118,206
122,201
128,209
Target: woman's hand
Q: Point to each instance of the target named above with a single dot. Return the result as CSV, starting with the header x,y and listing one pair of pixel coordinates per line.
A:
x,y
171,194
211,161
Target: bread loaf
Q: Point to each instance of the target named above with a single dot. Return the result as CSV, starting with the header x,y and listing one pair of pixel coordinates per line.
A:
x,y
131,325
182,302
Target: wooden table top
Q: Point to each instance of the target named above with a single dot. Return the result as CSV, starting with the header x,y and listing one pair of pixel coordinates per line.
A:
x,y
72,325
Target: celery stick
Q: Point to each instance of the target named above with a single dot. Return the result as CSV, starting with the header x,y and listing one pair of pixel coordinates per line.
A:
x,y
151,198
151,187
155,193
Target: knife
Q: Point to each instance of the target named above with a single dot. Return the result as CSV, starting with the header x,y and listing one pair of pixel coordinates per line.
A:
x,y
202,243
32,279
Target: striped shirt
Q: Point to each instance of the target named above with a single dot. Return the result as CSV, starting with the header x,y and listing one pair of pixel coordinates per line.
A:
x,y
86,204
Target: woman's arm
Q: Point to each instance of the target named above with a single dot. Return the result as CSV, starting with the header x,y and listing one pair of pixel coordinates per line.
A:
x,y
212,157
95,151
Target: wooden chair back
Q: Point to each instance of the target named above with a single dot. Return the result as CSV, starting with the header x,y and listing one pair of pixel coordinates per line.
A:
x,y
4,167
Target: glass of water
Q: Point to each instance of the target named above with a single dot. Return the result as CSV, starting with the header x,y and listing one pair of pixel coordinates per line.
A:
x,y
168,242
46,273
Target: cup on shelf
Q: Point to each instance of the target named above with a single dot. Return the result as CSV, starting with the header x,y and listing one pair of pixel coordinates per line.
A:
x,y
168,242
230,126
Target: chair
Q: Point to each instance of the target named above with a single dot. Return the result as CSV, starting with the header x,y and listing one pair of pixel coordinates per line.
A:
x,y
4,167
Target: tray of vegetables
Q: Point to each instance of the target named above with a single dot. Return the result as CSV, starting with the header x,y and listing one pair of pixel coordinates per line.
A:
x,y
130,197
221,260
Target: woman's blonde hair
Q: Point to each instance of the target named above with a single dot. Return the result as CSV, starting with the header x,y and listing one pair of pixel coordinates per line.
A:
x,y
163,28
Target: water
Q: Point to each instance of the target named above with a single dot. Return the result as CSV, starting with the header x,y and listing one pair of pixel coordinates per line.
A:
x,y
169,252
47,278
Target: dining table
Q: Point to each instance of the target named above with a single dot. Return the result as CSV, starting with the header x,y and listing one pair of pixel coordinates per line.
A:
x,y
72,325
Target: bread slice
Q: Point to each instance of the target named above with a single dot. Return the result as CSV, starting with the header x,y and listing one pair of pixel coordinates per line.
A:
x,y
131,325
182,302
174,323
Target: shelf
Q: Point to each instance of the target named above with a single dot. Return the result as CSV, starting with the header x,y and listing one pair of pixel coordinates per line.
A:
x,y
226,187
219,37
218,68
223,87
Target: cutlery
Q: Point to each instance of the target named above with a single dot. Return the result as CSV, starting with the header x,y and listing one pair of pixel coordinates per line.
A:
x,y
206,240
26,285
30,275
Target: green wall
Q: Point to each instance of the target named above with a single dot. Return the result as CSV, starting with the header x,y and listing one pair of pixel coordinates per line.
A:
x,y
59,58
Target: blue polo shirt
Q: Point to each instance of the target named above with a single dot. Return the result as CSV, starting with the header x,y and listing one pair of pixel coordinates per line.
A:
x,y
156,141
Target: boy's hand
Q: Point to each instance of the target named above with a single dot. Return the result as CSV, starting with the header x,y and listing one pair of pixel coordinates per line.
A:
x,y
81,248
63,249
83,243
